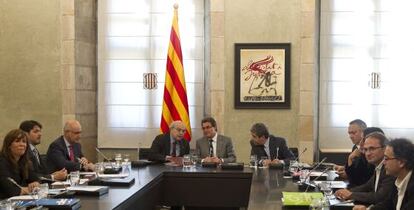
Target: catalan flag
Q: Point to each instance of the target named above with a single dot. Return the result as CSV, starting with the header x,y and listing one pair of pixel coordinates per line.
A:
x,y
175,104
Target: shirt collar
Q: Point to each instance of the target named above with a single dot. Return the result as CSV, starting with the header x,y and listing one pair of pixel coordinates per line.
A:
x,y
214,138
66,142
266,144
379,167
401,186
32,147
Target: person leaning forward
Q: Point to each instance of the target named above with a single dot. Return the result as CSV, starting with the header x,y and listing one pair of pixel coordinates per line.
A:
x,y
265,145
171,146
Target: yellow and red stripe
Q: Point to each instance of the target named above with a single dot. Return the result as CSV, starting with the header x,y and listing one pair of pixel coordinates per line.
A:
x,y
175,104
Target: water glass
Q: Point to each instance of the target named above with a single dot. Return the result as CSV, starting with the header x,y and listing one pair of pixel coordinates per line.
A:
x,y
99,168
304,176
293,166
43,191
326,188
118,160
187,161
253,161
74,178
194,159
6,205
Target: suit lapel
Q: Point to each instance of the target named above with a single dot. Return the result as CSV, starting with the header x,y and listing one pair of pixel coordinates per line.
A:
x,y
220,146
65,149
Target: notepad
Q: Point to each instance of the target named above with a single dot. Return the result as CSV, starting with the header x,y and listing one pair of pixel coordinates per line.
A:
x,y
300,198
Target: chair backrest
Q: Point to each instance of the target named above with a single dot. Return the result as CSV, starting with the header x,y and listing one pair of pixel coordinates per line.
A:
x,y
144,153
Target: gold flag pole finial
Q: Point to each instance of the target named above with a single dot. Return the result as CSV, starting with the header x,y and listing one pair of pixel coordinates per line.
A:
x,y
176,6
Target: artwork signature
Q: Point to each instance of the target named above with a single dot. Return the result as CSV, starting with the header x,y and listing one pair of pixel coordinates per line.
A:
x,y
262,76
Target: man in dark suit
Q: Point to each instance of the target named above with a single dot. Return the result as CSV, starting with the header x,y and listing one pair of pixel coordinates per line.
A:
x,y
265,145
398,162
356,170
380,184
34,133
66,152
213,147
170,147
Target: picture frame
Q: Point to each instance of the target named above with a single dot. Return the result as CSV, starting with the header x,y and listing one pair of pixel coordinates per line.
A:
x,y
262,76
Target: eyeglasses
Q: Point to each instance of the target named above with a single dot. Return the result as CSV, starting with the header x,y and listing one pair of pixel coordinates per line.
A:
x,y
370,149
180,130
389,158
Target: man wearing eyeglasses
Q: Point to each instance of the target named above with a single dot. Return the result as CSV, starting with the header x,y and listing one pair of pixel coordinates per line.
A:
x,y
213,147
398,162
170,147
66,151
380,184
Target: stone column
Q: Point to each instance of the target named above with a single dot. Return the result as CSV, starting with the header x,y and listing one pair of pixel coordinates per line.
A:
x,y
79,69
214,103
308,77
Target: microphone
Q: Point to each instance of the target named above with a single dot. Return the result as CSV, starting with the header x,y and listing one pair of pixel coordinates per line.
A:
x,y
101,154
323,172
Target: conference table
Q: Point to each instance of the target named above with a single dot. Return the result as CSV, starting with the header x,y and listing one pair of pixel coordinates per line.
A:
x,y
161,185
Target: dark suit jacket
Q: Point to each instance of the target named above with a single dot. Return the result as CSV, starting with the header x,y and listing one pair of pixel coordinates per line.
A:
x,y
7,188
274,142
161,147
58,156
224,148
366,193
39,168
391,201
360,171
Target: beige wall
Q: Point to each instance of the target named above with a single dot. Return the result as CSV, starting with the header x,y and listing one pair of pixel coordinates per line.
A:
x,y
51,83
271,21
29,66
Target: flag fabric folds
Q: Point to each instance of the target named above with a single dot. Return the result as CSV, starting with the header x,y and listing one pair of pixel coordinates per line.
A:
x,y
175,104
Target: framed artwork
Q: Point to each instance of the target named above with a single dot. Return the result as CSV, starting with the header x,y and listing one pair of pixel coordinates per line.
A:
x,y
262,76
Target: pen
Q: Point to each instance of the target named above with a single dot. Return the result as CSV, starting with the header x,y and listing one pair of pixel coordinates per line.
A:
x,y
14,182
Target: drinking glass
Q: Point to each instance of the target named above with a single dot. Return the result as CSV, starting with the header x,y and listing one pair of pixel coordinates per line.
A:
x,y
43,191
253,161
194,159
99,168
74,178
293,166
304,176
118,160
187,161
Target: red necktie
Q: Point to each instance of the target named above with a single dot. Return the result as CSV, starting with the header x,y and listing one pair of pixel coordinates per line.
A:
x,y
71,154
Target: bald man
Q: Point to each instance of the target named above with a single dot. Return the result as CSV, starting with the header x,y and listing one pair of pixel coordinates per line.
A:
x,y
66,151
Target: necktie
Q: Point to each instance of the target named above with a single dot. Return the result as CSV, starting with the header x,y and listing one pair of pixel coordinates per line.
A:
x,y
174,149
71,154
210,149
36,154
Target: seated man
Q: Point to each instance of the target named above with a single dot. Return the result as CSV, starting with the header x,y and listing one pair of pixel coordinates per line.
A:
x,y
399,163
356,170
269,146
66,152
213,147
168,147
380,184
34,134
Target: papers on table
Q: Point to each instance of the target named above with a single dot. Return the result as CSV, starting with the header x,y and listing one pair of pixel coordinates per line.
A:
x,y
86,188
121,175
333,184
23,197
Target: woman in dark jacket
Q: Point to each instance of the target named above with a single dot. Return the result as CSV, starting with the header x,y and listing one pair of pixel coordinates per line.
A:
x,y
16,174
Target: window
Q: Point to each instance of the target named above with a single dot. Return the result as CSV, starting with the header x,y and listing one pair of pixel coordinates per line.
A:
x,y
133,38
359,39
